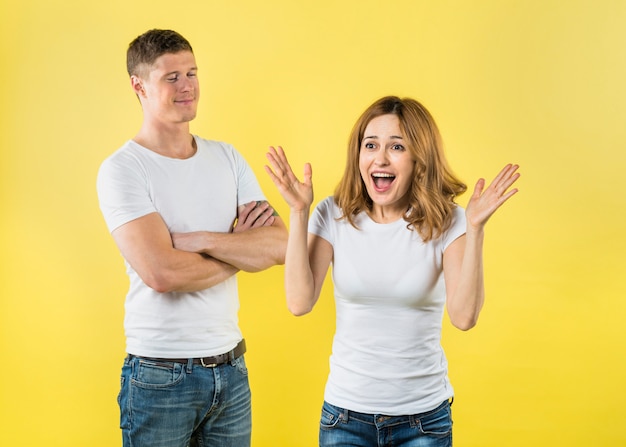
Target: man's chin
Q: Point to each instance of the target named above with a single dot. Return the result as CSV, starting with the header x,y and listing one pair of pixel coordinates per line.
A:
x,y
188,117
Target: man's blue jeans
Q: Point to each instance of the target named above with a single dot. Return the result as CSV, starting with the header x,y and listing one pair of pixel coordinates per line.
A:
x,y
167,404
340,427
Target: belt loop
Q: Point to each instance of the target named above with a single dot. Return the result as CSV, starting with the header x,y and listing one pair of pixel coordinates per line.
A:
x,y
189,366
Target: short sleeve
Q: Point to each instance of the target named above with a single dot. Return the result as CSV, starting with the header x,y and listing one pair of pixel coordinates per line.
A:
x,y
248,189
457,228
122,190
322,218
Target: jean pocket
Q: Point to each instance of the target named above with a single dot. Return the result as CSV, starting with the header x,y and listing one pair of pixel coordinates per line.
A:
x,y
240,364
331,416
437,424
151,374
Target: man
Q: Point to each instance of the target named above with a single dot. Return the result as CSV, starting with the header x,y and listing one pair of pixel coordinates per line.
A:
x,y
187,214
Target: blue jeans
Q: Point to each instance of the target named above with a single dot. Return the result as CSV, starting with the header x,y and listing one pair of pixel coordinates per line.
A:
x,y
168,404
340,427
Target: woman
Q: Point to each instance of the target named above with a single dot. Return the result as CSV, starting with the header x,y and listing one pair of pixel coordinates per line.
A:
x,y
401,250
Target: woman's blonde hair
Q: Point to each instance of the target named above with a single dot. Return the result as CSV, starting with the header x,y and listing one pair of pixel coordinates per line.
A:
x,y
434,187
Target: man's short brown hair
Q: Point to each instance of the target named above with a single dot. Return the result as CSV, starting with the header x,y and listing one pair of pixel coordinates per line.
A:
x,y
146,48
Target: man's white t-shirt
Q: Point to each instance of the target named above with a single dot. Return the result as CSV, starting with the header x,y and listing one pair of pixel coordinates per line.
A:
x,y
200,193
389,297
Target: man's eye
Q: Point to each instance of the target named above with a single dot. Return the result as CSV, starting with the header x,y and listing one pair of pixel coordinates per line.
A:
x,y
173,79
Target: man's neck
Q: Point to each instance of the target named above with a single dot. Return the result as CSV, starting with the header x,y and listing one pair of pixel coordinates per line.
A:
x,y
172,141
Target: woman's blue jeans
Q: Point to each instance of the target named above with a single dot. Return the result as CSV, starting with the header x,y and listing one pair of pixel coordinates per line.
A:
x,y
168,404
341,427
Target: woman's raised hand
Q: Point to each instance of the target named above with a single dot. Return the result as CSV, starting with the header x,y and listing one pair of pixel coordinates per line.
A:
x,y
298,195
483,204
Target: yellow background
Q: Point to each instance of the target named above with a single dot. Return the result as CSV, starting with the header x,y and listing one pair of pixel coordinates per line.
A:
x,y
537,82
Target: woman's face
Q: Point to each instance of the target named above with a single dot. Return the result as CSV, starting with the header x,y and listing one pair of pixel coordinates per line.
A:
x,y
386,167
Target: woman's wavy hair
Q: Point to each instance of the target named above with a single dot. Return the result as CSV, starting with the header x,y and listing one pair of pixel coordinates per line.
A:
x,y
434,187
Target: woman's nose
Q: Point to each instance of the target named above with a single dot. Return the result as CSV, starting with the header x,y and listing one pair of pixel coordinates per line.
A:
x,y
381,157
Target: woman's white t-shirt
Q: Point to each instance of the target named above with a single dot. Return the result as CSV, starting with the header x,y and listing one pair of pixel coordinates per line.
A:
x,y
389,296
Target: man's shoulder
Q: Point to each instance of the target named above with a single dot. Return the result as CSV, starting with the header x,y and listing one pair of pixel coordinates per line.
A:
x,y
124,161
207,144
122,152
220,149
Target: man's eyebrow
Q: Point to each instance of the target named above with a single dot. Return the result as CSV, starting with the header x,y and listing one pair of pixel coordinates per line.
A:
x,y
175,72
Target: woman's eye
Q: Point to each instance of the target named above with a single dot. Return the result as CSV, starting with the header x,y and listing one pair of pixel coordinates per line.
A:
x,y
398,147
368,145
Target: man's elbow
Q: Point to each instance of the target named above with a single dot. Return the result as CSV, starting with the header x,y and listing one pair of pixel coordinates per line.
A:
x,y
279,259
276,256
272,258
160,282
281,249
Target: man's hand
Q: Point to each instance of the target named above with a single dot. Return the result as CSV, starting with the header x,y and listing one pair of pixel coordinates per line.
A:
x,y
251,215
254,215
194,242
250,251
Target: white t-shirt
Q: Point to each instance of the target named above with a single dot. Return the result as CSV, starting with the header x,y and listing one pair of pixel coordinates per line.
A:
x,y
200,193
389,296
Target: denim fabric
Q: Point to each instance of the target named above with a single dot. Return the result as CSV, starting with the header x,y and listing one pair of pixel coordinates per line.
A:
x,y
340,427
167,404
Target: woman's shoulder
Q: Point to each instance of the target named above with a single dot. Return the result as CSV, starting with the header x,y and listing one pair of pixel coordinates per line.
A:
x,y
327,206
458,212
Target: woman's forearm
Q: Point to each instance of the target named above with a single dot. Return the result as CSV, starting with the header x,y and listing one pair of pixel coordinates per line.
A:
x,y
299,281
466,300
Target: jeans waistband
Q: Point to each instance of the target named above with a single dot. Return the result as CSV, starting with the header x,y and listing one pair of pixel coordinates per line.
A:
x,y
207,362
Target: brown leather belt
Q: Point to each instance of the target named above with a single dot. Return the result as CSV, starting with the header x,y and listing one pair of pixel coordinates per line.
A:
x,y
207,362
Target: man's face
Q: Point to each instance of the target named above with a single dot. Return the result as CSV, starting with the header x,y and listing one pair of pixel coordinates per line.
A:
x,y
169,89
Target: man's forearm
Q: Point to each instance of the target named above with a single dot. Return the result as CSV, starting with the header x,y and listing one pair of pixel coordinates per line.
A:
x,y
147,246
207,273
251,251
179,271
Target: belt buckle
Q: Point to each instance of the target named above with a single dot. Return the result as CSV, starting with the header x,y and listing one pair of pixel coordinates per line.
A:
x,y
207,365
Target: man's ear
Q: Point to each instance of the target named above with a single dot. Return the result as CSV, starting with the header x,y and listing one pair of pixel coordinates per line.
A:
x,y
137,85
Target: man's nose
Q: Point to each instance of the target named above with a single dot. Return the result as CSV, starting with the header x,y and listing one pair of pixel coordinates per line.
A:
x,y
186,84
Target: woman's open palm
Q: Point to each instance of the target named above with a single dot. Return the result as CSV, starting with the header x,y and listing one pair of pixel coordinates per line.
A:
x,y
484,202
298,195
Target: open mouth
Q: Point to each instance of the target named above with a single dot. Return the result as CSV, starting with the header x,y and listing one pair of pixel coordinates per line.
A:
x,y
382,180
